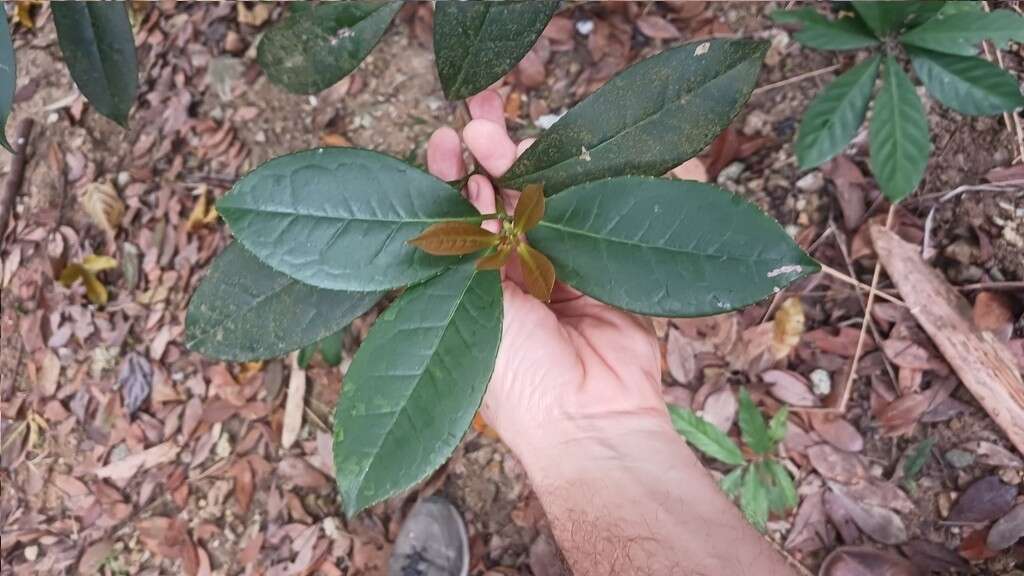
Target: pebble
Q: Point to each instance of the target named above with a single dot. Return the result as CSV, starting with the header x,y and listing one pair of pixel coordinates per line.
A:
x,y
755,123
585,27
812,182
730,173
959,458
821,382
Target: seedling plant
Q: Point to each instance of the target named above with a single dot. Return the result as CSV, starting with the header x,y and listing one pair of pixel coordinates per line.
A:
x,y
760,481
941,40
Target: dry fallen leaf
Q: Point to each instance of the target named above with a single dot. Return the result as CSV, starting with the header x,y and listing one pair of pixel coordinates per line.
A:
x,y
135,380
255,16
810,530
984,501
203,212
836,465
990,454
681,356
720,408
789,325
835,430
865,561
880,523
86,271
934,557
127,467
101,202
657,27
790,387
49,374
1007,530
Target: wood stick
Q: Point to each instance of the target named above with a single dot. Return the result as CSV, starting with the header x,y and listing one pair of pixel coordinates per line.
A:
x,y
16,175
983,363
854,282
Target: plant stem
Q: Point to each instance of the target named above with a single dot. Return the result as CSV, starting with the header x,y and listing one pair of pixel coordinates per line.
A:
x,y
854,282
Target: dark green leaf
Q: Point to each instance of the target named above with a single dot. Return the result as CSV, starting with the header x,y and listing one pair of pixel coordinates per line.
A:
x,y
777,426
753,429
330,348
832,118
898,134
666,247
884,17
99,50
415,384
340,218
782,492
969,85
8,76
244,310
476,43
306,354
705,437
754,499
819,32
961,32
732,482
648,119
917,457
315,47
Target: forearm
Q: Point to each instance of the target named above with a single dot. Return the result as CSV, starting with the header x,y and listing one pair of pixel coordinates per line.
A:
x,y
637,501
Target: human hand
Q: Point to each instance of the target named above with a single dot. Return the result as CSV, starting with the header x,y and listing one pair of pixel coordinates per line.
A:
x,y
567,370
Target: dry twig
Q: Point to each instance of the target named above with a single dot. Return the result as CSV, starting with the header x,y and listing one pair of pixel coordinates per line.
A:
x,y
16,175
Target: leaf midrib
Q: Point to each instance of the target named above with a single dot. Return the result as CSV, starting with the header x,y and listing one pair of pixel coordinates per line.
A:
x,y
614,240
283,212
642,122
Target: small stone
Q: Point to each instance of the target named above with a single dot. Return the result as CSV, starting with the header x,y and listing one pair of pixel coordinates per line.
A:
x,y
223,447
730,173
123,179
233,43
821,382
585,27
811,183
755,123
959,458
31,553
1011,476
962,251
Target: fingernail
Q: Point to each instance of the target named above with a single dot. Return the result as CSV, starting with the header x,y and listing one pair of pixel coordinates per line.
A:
x,y
473,191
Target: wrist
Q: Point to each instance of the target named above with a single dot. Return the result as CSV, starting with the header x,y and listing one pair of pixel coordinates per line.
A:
x,y
581,446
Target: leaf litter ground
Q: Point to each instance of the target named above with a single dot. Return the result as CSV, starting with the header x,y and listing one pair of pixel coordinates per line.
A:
x,y
197,480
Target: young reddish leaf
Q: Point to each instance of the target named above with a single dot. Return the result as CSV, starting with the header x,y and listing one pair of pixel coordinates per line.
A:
x,y
495,260
530,208
454,239
538,272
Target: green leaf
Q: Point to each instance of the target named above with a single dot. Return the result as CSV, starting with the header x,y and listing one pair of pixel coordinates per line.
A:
x,y
969,85
666,247
832,118
315,47
917,457
339,218
961,32
648,119
819,32
306,354
732,482
754,499
705,437
244,310
885,17
330,348
782,492
898,134
415,384
8,77
777,426
99,50
753,429
476,43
